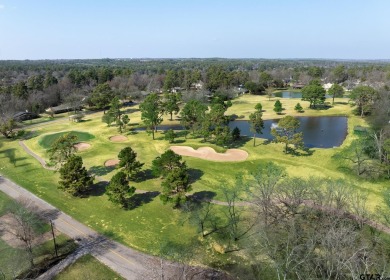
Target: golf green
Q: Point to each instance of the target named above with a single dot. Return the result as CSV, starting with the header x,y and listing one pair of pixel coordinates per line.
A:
x,y
47,140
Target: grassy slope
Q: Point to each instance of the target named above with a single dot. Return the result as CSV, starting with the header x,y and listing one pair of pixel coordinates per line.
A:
x,y
87,267
147,226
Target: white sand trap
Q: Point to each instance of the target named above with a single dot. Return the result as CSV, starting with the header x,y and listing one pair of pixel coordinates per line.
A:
x,y
118,138
210,154
111,162
82,146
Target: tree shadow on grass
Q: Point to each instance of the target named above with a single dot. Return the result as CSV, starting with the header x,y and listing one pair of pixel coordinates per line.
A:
x,y
100,170
97,189
10,154
195,174
140,199
198,197
300,153
144,175
240,142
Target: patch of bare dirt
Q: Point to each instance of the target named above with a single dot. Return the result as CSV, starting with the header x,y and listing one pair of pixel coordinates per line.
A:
x,y
118,138
210,154
9,231
111,162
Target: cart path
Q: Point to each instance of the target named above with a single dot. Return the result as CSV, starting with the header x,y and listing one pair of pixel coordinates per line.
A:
x,y
127,262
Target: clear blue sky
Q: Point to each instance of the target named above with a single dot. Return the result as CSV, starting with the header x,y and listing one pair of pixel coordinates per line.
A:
x,y
43,29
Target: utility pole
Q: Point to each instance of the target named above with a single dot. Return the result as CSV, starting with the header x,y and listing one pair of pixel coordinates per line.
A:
x,y
54,238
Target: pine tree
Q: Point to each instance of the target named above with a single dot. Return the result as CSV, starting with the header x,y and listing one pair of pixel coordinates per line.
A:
x,y
175,186
278,107
298,107
129,163
119,191
74,178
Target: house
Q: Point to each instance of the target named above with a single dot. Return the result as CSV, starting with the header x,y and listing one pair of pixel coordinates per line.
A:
x,y
298,86
23,116
63,108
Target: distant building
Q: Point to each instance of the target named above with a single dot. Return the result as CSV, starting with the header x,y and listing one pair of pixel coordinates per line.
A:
x,y
63,108
298,86
23,116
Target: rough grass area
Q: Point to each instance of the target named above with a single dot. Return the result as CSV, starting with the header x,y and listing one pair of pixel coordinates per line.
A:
x,y
150,223
47,140
87,267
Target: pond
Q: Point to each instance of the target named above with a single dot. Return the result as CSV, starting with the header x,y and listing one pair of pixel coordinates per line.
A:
x,y
318,132
292,94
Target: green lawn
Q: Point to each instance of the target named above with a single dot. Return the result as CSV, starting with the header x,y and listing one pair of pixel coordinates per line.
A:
x,y
147,226
88,268
47,141
15,260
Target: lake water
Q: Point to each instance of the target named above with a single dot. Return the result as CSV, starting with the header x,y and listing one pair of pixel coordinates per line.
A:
x,y
318,132
292,94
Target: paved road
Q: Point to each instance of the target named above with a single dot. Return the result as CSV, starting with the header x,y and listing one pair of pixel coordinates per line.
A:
x,y
127,262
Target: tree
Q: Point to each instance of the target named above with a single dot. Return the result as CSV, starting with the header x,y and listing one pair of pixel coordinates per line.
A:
x,y
129,163
122,122
222,135
115,108
119,191
298,107
256,124
339,74
254,88
264,188
101,96
364,97
74,178
265,79
108,119
7,126
192,114
175,185
165,163
21,225
151,112
63,148
259,107
336,91
356,155
170,104
286,132
278,107
170,135
236,134
314,93
270,93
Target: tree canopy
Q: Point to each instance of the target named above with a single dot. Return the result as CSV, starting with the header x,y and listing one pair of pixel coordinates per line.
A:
x,y
151,113
314,93
286,132
74,178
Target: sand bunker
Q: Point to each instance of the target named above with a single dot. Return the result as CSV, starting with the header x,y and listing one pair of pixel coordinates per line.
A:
x,y
82,146
118,138
111,162
210,154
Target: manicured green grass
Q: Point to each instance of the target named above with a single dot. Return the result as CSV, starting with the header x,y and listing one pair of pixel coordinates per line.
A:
x,y
147,226
47,140
87,267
